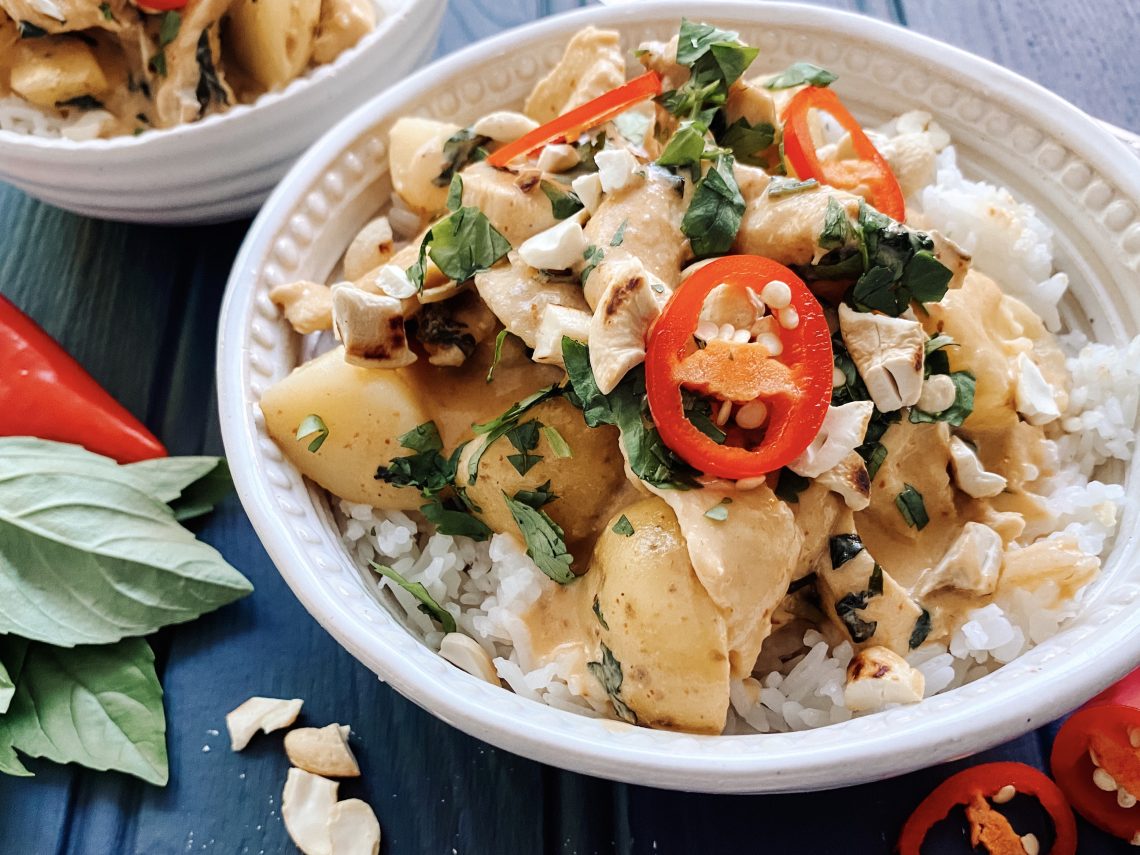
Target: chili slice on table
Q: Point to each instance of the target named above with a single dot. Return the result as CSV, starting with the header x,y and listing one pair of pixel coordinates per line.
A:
x,y
1107,727
570,125
973,789
869,175
47,394
795,386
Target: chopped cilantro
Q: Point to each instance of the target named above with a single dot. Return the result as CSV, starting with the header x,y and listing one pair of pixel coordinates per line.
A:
x,y
619,235
545,540
844,547
783,186
959,411
593,256
557,442
455,193
537,497
921,630
747,141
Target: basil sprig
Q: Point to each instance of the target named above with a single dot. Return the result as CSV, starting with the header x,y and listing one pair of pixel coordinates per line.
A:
x,y
799,73
716,211
716,59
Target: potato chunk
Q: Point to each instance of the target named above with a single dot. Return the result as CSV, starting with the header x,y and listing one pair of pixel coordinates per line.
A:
x,y
273,39
365,410
664,630
415,159
583,482
54,69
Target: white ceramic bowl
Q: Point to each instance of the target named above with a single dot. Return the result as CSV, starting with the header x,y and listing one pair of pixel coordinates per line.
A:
x,y
224,166
1006,129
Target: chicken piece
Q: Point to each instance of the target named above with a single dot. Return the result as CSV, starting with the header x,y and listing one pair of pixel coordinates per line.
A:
x,y
559,322
862,599
632,300
840,434
663,631
69,16
519,294
371,327
751,180
877,676
343,23
645,218
889,354
850,480
787,228
749,100
592,65
517,211
176,93
745,563
972,563
662,58
1058,560
594,470
307,306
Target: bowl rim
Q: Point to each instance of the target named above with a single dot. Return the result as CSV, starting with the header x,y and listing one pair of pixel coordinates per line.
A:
x,y
783,764
400,11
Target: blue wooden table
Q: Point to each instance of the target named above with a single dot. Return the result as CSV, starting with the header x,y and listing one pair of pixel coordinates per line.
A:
x,y
138,306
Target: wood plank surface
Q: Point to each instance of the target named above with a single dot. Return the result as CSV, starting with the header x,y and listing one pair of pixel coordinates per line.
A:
x,y
138,306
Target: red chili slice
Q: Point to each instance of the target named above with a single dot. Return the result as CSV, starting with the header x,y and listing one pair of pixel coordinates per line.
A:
x,y
569,126
1105,725
870,172
971,788
796,386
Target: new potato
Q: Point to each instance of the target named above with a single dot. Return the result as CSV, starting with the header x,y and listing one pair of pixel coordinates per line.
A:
x,y
273,39
415,159
365,411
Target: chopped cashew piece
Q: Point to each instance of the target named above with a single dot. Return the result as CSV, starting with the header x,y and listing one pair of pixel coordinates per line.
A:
x,y
558,322
971,563
393,281
889,353
850,480
265,714
877,677
306,807
938,393
1034,395
558,157
970,475
464,653
557,248
307,306
354,829
616,167
372,246
322,751
630,303
842,431
504,126
589,190
371,327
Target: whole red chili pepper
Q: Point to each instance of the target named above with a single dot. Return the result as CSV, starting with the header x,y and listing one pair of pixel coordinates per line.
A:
x,y
47,394
1107,728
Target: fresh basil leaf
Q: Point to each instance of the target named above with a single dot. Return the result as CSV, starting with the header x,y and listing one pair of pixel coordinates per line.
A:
x,y
455,193
875,291
783,186
873,454
427,605
461,244
499,339
715,212
209,89
99,706
898,266
545,541
557,442
423,437
455,521
537,497
28,30
799,73
598,606
90,558
82,102
911,506
837,229
524,461
168,29
719,511
875,583
686,147
844,547
712,53
926,278
594,405
310,425
499,426
461,148
593,256
748,141
427,470
860,630
608,673
922,627
563,203
623,527
789,485
202,494
960,410
7,687
619,234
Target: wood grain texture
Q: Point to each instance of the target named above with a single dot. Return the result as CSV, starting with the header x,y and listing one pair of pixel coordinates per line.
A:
x,y
138,307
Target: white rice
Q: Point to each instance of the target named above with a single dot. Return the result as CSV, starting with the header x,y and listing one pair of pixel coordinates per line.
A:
x,y
488,587
19,116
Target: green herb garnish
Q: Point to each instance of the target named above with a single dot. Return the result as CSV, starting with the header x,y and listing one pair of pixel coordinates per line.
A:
x,y
210,88
461,148
557,442
545,540
537,497
959,411
844,547
608,673
619,234
455,193
921,630
860,630
715,212
593,256
623,527
598,612
313,424
716,59
783,186
499,339
719,511
747,141
789,485
427,603
524,437
28,30
499,426
563,203
912,507
799,73
461,245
